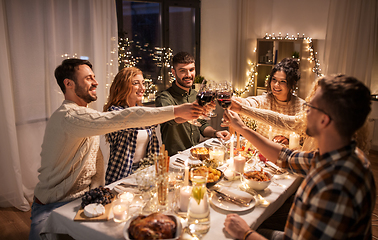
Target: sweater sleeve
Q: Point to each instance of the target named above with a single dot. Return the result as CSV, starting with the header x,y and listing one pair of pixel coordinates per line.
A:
x,y
84,122
269,117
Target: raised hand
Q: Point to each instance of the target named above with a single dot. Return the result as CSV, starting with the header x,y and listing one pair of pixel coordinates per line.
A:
x,y
188,111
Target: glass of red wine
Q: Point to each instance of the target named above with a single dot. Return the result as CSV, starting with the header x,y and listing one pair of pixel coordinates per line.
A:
x,y
206,95
224,94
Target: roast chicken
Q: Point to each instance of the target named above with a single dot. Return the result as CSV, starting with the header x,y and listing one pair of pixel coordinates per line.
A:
x,y
153,226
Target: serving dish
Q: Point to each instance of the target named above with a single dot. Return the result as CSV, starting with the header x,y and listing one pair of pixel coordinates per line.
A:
x,y
210,184
257,184
175,218
200,153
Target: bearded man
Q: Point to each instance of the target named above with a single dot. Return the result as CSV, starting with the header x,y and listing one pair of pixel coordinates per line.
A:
x,y
178,134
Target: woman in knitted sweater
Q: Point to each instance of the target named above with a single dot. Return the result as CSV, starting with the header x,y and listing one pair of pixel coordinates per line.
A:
x,y
279,98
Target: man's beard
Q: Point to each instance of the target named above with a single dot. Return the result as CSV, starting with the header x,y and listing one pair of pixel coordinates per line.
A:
x,y
181,81
80,92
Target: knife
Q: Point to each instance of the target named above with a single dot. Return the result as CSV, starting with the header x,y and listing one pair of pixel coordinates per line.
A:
x,y
231,199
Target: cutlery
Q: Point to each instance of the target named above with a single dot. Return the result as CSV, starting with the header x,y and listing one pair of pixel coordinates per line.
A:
x,y
231,199
123,184
260,199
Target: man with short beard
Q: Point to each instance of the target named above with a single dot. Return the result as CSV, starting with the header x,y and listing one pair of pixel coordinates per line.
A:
x,y
71,159
337,196
178,134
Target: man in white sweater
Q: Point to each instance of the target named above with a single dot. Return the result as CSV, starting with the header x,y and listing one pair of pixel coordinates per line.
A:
x,y
71,159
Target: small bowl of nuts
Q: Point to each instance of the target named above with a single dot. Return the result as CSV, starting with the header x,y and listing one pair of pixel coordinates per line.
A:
x,y
200,153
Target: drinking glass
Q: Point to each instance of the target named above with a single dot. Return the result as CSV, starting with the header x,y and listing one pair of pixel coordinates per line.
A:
x,y
224,94
199,207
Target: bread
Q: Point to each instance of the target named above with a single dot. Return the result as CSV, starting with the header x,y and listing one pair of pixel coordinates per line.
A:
x,y
153,226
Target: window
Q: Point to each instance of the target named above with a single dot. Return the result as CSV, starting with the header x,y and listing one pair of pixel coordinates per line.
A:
x,y
151,32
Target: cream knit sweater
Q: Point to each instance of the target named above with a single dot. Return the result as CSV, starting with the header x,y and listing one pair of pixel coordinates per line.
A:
x,y
71,160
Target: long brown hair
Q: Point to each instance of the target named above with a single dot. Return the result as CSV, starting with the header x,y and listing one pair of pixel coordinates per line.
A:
x,y
120,89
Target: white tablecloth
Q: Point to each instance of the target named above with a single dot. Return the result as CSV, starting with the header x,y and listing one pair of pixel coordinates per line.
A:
x,y
61,219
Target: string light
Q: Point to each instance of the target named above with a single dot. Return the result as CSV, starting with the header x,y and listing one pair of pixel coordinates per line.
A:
x,y
251,80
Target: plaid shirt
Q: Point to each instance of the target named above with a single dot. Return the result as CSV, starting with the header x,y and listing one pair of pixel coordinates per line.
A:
x,y
336,198
122,149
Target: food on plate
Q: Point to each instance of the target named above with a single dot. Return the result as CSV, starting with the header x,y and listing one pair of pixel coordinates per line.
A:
x,y
200,153
153,226
257,176
213,174
94,210
99,195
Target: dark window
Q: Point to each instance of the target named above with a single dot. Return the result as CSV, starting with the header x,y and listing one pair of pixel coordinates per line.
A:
x,y
151,32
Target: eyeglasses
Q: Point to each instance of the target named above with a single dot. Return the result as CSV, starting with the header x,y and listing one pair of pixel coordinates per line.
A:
x,y
281,83
306,105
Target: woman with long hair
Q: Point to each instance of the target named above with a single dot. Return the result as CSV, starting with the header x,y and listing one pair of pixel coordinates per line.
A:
x,y
128,146
280,98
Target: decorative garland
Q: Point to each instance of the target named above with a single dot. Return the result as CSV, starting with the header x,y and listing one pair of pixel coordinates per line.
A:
x,y
252,73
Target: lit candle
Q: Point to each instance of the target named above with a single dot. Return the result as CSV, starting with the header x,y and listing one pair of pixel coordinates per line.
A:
x,y
128,196
186,179
239,162
294,141
270,134
232,147
217,155
184,197
120,212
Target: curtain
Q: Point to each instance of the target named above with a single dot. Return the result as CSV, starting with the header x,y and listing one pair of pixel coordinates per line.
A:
x,y
351,38
35,36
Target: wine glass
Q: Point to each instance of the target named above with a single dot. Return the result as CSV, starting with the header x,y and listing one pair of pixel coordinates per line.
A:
x,y
206,95
224,94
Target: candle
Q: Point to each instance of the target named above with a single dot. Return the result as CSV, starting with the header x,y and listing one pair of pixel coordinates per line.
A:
x,y
184,197
128,196
232,147
120,210
186,179
217,155
270,134
294,141
239,162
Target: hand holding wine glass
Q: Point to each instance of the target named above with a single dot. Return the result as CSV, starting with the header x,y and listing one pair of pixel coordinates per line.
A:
x,y
224,94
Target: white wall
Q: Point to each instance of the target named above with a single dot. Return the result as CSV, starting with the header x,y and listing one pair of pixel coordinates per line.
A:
x,y
219,31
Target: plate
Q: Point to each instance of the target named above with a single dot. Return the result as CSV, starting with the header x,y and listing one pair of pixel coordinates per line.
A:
x,y
178,228
191,161
229,206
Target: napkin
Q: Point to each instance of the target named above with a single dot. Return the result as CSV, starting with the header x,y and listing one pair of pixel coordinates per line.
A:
x,y
237,194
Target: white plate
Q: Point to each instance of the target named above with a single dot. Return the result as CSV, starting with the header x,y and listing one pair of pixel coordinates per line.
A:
x,y
229,206
175,165
178,228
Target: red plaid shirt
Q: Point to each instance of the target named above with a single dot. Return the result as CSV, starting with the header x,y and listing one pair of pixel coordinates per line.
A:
x,y
336,198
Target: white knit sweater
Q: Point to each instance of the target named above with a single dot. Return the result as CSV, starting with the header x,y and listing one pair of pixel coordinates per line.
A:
x,y
71,160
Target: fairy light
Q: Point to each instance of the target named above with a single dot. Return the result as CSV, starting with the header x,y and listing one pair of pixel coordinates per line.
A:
x,y
312,59
251,73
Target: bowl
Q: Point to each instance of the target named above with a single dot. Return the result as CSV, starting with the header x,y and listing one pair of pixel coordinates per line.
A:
x,y
200,153
255,182
176,219
210,184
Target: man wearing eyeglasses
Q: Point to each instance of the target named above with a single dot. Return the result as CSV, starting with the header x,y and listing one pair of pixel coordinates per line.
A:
x,y
337,197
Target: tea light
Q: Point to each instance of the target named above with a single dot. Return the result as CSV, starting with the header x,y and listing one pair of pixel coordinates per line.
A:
x,y
294,141
128,196
239,162
217,154
185,193
120,210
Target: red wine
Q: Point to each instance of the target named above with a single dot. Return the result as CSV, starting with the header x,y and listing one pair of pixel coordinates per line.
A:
x,y
204,97
224,99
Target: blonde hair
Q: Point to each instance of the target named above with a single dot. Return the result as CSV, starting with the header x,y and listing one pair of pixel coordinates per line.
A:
x,y
120,89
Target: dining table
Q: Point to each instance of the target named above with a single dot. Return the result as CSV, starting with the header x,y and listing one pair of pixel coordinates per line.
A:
x,y
267,201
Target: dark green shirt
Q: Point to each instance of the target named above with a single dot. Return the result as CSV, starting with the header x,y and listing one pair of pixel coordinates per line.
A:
x,y
175,136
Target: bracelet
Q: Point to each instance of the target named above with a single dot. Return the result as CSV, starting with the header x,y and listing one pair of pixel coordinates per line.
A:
x,y
215,134
246,235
